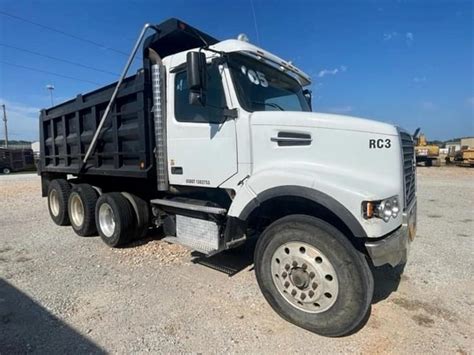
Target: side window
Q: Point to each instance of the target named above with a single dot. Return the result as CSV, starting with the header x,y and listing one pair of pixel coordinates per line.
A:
x,y
215,100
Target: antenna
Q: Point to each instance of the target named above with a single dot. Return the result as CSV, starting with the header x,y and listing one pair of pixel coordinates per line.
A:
x,y
255,22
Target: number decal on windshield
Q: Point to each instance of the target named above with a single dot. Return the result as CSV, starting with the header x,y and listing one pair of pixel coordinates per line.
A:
x,y
255,77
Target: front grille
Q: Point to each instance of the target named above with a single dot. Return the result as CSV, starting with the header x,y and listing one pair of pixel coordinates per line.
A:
x,y
409,167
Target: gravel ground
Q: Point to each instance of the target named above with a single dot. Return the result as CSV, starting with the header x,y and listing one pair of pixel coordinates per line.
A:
x,y
63,293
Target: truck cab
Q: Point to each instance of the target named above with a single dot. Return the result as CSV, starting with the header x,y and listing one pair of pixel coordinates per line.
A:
x,y
237,153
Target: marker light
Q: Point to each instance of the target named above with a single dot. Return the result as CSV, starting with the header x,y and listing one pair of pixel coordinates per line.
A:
x,y
243,37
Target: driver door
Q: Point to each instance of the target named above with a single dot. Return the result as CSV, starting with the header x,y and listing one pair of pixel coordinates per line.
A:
x,y
202,146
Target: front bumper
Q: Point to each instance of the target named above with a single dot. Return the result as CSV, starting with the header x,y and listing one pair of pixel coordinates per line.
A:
x,y
393,248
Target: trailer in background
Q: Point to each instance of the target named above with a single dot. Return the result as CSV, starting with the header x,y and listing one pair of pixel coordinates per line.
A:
x,y
12,160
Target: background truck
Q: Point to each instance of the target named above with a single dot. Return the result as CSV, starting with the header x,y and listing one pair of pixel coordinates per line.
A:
x,y
215,142
426,153
464,156
13,159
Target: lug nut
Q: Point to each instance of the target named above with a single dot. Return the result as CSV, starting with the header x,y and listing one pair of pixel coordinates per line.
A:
x,y
284,274
314,285
311,293
304,266
287,284
295,264
287,266
303,296
312,275
293,293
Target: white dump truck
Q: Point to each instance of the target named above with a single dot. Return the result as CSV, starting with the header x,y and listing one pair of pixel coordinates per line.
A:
x,y
216,143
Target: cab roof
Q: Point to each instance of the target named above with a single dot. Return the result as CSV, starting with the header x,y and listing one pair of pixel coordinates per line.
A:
x,y
175,36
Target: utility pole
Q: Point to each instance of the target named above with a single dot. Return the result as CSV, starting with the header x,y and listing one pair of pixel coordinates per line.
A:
x,y
50,87
6,126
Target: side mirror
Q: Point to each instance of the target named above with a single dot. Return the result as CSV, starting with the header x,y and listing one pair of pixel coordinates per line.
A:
x,y
308,94
196,77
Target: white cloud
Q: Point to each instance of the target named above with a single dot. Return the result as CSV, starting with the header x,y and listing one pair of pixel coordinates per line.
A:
x,y
419,79
341,109
22,120
387,36
334,71
394,35
428,105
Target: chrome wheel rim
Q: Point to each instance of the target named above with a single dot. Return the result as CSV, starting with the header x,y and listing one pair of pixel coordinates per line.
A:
x,y
54,202
76,210
305,277
106,220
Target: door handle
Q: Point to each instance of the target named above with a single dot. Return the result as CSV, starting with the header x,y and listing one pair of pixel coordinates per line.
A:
x,y
288,139
291,141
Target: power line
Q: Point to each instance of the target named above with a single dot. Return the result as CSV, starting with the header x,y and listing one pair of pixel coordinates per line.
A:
x,y
50,73
63,33
58,59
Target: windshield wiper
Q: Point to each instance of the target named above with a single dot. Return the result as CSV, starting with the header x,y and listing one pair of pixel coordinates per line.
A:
x,y
271,104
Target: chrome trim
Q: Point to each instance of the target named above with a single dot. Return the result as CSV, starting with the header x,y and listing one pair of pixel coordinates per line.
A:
x,y
159,116
408,167
189,206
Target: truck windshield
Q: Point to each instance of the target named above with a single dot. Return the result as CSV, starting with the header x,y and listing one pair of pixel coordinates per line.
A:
x,y
261,87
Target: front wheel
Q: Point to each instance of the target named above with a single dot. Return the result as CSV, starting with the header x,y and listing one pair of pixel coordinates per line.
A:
x,y
6,170
312,276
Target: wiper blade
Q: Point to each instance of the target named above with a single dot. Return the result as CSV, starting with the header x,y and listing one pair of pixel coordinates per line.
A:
x,y
271,104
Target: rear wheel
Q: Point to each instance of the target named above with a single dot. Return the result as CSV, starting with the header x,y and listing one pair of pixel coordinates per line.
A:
x,y
312,276
6,170
81,208
142,215
58,195
115,219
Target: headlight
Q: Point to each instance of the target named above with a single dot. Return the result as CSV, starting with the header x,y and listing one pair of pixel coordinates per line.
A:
x,y
384,209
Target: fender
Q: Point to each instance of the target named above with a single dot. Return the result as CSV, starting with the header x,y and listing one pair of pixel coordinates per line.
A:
x,y
314,195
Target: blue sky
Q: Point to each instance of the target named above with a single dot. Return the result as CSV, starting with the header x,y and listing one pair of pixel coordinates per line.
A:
x,y
405,62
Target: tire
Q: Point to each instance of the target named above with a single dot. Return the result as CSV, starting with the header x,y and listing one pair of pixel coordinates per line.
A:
x,y
81,209
6,170
429,162
142,215
337,282
58,196
115,219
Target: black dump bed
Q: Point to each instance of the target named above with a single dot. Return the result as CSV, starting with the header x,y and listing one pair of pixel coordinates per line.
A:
x,y
125,145
126,142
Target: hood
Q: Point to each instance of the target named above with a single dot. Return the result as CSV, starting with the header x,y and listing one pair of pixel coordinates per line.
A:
x,y
321,120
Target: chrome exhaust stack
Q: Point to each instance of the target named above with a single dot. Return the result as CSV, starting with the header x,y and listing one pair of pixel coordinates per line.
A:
x,y
158,76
